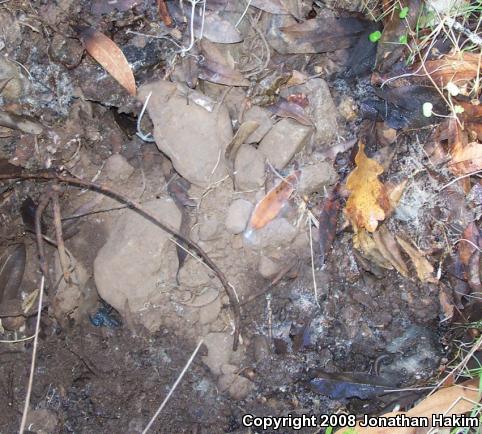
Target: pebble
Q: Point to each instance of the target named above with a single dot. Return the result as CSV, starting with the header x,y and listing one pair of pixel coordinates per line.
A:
x,y
283,141
268,268
249,170
313,178
237,216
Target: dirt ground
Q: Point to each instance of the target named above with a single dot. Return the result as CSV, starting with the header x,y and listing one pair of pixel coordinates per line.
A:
x,y
115,336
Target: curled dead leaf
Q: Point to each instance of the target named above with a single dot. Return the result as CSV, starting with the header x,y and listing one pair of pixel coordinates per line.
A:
x,y
270,206
368,200
106,52
388,247
466,157
423,268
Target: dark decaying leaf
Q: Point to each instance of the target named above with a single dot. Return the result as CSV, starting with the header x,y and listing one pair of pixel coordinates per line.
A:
x,y
21,123
327,222
402,106
287,109
390,50
215,68
349,385
106,52
12,268
323,35
7,168
361,59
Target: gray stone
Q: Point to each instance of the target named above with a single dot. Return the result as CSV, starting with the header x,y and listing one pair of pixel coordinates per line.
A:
x,y
322,109
220,349
238,215
268,268
249,170
138,260
315,177
276,233
283,141
237,386
262,116
117,168
261,348
190,129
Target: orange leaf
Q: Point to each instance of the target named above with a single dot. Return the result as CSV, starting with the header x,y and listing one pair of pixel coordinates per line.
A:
x,y
270,206
466,157
368,199
110,57
458,399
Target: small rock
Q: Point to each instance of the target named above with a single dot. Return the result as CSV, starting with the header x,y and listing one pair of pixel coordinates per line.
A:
x,y
189,130
268,268
117,168
237,386
261,348
229,369
220,349
238,215
275,234
249,171
42,421
209,230
262,116
322,109
315,177
283,141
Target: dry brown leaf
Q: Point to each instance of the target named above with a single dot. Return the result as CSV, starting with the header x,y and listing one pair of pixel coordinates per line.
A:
x,y
388,247
367,246
394,194
441,402
423,268
457,68
270,206
368,199
466,157
110,57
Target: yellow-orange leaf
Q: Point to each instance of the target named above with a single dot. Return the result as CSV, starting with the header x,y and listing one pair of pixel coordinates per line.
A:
x,y
270,206
368,199
110,57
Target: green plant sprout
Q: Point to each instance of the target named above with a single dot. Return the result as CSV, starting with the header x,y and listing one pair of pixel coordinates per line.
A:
x,y
375,36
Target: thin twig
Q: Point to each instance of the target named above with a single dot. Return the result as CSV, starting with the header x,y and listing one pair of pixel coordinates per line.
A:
x,y
34,356
58,234
173,388
60,177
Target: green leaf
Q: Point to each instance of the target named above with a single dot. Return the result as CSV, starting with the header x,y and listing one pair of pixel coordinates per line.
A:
x,y
375,36
404,12
329,430
403,39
